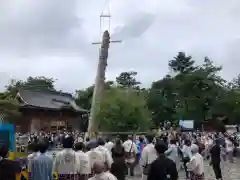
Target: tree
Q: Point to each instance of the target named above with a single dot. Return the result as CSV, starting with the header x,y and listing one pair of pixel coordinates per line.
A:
x,y
123,110
189,95
161,100
31,83
198,90
84,97
9,108
235,83
128,80
182,63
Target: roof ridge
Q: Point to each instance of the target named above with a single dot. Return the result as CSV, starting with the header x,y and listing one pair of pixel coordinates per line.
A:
x,y
48,91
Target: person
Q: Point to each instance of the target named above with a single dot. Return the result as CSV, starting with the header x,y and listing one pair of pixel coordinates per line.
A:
x,y
41,166
8,168
131,151
118,166
215,153
229,149
109,144
35,152
163,167
173,152
66,163
140,145
105,153
100,173
149,154
196,164
186,153
83,159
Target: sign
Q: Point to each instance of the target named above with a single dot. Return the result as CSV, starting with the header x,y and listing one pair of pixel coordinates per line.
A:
x,y
186,125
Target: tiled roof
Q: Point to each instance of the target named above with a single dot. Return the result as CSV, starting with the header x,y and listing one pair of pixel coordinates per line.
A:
x,y
48,99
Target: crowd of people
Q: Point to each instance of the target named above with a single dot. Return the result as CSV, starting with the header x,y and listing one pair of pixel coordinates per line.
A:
x,y
160,157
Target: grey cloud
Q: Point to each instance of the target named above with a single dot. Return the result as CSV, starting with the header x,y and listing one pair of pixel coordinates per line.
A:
x,y
135,26
53,38
35,27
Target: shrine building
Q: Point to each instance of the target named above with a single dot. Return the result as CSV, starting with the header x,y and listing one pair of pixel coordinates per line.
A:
x,y
49,111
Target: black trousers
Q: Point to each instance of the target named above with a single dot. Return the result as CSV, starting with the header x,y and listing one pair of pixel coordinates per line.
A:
x,y
217,170
185,161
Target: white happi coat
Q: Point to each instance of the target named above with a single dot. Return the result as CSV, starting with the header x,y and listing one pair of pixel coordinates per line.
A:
x,y
196,164
103,176
83,159
109,145
149,154
106,155
66,162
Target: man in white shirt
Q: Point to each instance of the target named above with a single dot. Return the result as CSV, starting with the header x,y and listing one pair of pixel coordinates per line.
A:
x,y
83,160
66,163
229,149
35,153
131,151
106,155
109,145
149,154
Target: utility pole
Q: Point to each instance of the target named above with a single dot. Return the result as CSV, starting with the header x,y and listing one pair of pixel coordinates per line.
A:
x,y
93,125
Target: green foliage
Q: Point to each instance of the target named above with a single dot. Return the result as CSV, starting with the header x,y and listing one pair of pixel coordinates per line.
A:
x,y
9,109
196,92
182,63
84,97
128,80
123,110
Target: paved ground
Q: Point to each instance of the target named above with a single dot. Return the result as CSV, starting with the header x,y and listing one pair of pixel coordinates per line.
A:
x,y
231,171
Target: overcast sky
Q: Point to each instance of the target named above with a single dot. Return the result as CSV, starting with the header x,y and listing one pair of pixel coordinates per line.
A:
x,y
53,38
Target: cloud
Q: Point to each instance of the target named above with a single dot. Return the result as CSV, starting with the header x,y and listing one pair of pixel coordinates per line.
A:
x,y
135,26
53,38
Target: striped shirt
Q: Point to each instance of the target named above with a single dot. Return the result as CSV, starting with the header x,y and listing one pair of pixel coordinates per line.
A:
x,y
41,168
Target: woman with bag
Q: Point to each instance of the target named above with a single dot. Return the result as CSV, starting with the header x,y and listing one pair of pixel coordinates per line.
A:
x,y
118,166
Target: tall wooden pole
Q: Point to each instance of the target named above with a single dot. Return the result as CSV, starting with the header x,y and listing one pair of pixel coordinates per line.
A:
x,y
99,84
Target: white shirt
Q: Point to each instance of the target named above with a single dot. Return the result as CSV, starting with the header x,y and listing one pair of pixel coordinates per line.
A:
x,y
104,176
109,145
186,150
149,154
33,155
83,160
30,157
229,145
196,164
127,148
